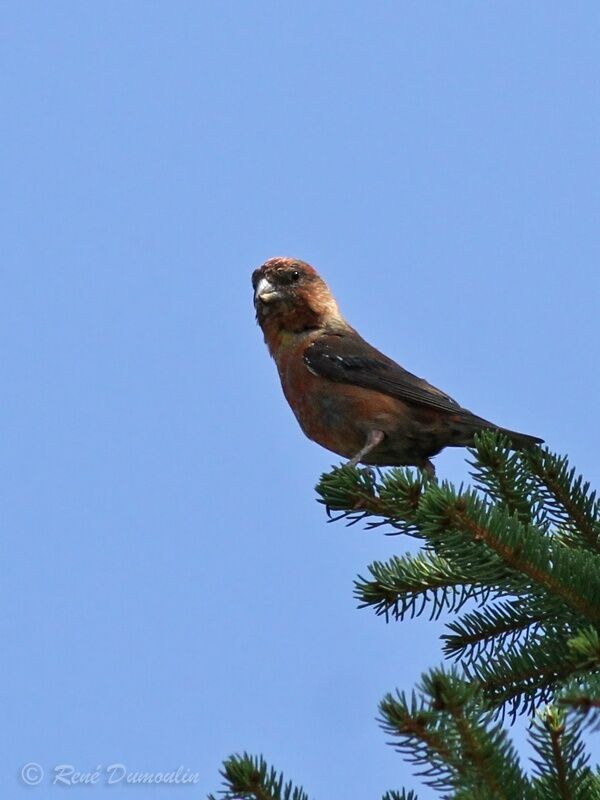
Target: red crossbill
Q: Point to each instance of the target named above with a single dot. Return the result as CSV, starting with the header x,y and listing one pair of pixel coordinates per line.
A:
x,y
346,395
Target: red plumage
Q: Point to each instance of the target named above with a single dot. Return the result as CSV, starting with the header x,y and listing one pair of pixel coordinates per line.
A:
x,y
346,395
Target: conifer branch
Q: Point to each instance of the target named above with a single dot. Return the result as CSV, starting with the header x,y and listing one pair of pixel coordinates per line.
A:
x,y
499,472
356,495
582,696
404,585
525,546
529,677
561,763
548,567
450,729
248,777
482,632
413,727
567,496
457,524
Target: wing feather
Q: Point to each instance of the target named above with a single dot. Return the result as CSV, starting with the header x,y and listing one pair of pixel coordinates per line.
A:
x,y
347,358
350,359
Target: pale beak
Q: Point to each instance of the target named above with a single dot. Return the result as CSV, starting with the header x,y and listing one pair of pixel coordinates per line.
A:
x,y
265,292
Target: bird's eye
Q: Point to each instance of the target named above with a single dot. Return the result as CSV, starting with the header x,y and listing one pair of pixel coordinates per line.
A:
x,y
295,275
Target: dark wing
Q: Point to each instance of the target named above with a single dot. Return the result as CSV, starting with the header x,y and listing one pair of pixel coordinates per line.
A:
x,y
347,358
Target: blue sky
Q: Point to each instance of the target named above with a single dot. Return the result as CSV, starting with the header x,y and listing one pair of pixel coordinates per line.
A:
x,y
172,591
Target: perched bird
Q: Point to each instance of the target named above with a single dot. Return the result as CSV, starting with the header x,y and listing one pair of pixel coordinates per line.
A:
x,y
346,395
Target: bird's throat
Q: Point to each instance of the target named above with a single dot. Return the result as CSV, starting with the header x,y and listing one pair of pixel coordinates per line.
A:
x,y
280,339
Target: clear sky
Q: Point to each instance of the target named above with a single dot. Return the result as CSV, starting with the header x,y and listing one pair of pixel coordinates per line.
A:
x,y
171,590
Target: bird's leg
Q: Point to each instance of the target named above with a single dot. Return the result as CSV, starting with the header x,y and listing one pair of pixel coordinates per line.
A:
x,y
428,469
373,439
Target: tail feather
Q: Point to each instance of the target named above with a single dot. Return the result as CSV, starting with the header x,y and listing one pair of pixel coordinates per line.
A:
x,y
520,440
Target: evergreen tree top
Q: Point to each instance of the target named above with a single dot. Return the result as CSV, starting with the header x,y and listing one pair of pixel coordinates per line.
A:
x,y
514,561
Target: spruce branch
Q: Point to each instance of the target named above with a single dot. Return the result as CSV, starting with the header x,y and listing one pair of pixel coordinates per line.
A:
x,y
413,726
247,777
356,494
405,585
522,549
561,764
496,548
500,473
449,729
519,558
480,633
530,676
566,496
582,696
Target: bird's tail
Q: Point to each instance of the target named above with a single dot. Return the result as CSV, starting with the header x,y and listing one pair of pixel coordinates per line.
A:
x,y
469,424
520,441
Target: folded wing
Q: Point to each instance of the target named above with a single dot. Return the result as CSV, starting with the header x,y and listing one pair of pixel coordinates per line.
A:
x,y
349,359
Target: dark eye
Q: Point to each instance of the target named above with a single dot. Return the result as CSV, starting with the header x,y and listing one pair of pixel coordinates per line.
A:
x,y
295,275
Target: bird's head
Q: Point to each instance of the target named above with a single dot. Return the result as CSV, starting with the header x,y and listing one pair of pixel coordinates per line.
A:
x,y
291,297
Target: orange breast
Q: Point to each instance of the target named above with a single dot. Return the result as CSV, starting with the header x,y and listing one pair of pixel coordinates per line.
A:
x,y
336,415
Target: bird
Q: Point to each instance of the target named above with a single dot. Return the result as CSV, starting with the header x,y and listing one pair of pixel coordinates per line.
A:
x,y
346,395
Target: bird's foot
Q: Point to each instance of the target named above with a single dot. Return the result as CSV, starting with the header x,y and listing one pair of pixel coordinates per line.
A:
x,y
373,439
428,470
